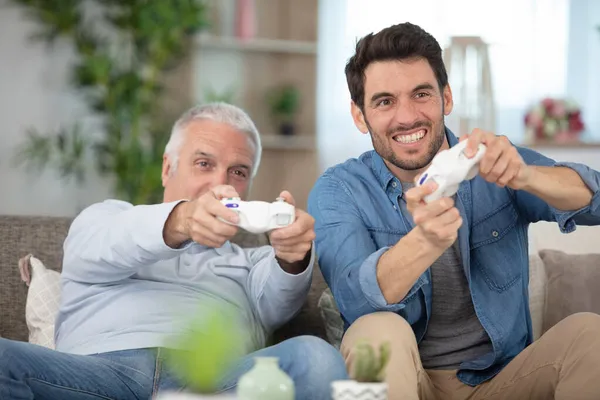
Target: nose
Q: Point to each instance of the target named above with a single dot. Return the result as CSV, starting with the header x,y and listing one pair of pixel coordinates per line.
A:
x,y
220,177
406,113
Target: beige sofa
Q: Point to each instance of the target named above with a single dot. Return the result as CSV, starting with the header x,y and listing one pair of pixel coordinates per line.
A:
x,y
560,283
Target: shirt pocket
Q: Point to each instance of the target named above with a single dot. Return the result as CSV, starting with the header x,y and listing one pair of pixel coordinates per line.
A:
x,y
496,247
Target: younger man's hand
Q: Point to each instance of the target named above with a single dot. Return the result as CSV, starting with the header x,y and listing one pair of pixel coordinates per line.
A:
x,y
438,221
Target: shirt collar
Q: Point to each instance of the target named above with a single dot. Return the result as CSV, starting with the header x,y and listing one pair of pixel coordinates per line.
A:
x,y
386,178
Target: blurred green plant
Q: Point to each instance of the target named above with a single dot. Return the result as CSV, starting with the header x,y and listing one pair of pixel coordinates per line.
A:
x,y
210,346
369,365
124,49
284,102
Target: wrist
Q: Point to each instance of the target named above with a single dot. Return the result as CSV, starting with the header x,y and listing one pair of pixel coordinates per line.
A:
x,y
421,241
528,178
295,267
175,229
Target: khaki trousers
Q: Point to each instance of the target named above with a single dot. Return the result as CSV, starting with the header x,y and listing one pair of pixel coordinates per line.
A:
x,y
563,364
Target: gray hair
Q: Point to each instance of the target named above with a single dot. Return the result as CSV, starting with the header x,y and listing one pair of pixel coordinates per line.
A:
x,y
219,112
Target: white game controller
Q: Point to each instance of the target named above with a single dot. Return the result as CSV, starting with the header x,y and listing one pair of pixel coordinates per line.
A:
x,y
449,168
260,216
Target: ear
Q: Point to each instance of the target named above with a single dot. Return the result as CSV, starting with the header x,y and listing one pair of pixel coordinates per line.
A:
x,y
166,170
448,102
358,117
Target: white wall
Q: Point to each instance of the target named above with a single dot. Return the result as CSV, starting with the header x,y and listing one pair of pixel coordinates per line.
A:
x,y
34,91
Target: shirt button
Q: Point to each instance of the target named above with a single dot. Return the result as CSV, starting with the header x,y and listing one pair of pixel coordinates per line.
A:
x,y
394,206
495,233
394,184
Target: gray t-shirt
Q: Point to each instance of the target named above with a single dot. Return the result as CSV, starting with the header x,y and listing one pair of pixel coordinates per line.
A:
x,y
454,333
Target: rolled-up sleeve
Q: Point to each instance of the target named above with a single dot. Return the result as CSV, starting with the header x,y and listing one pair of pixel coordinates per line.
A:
x,y
535,209
346,253
277,296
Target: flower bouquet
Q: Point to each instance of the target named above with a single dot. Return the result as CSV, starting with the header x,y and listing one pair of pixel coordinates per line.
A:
x,y
556,120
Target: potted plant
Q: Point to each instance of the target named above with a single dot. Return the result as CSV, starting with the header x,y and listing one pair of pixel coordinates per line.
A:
x,y
367,375
122,81
284,102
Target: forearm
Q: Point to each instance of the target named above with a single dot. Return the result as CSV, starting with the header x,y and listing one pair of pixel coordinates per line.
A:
x,y
560,187
399,268
278,295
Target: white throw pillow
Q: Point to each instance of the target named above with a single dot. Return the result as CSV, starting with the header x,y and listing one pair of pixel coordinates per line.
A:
x,y
43,300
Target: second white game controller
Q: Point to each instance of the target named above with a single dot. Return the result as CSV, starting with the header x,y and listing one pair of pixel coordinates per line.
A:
x,y
449,168
260,216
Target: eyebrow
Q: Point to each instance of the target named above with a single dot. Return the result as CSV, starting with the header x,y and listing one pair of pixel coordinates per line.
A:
x,y
422,86
199,153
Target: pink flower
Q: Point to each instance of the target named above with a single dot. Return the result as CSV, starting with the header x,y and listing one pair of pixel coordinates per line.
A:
x,y
533,119
575,122
558,110
548,104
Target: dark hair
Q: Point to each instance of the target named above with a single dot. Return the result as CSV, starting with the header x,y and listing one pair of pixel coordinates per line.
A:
x,y
397,42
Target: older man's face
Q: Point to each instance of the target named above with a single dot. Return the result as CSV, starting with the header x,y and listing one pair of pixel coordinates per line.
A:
x,y
211,154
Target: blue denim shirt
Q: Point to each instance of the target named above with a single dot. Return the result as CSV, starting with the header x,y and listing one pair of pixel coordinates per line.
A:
x,y
358,217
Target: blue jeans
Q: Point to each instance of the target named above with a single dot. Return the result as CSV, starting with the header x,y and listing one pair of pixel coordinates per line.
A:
x,y
28,371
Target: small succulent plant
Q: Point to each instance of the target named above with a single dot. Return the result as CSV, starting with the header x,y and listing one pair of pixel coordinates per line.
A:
x,y
369,366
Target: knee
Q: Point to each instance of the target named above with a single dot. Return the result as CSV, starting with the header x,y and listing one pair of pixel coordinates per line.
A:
x,y
9,354
582,323
381,326
7,349
317,361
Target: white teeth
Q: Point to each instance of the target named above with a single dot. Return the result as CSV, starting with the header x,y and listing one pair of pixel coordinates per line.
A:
x,y
415,137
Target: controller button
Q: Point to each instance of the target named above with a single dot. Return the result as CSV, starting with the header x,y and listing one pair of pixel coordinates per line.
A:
x,y
422,179
232,205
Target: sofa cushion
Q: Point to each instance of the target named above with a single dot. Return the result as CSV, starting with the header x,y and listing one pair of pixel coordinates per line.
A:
x,y
573,281
537,293
43,300
332,319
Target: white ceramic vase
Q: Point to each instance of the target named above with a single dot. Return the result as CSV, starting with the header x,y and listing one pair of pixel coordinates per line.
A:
x,y
353,390
265,381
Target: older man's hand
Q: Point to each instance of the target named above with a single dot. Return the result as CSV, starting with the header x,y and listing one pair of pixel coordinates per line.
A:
x,y
201,220
293,243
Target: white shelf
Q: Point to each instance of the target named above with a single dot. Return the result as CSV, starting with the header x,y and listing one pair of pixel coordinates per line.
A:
x,y
257,45
292,142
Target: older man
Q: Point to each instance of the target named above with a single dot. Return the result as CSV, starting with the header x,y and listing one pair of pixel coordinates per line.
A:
x,y
129,272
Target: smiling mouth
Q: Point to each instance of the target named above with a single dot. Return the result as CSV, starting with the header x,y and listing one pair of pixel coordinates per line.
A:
x,y
410,138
